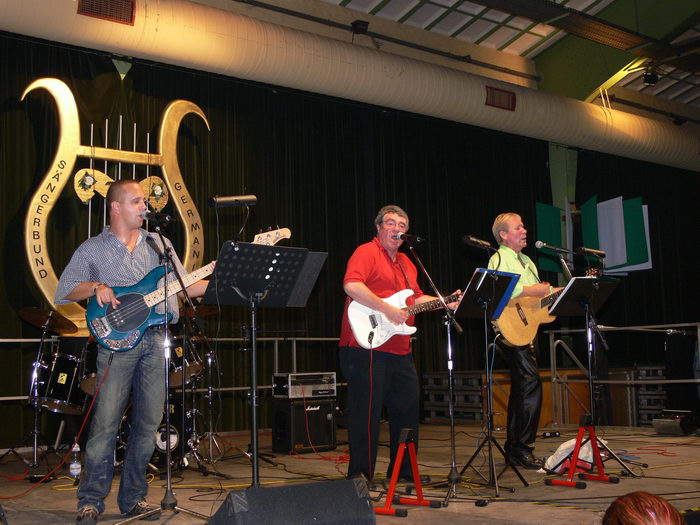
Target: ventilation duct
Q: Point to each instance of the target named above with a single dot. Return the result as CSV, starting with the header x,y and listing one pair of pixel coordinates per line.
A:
x,y
208,39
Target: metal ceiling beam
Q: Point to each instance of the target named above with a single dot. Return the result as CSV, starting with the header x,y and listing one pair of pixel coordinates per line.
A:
x,y
596,30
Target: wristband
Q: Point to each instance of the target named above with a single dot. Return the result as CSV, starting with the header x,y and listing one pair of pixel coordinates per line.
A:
x,y
94,288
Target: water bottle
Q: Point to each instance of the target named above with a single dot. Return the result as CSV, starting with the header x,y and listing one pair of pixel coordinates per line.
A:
x,y
74,466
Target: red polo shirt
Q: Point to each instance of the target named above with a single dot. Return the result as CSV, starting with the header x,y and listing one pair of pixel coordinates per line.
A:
x,y
370,264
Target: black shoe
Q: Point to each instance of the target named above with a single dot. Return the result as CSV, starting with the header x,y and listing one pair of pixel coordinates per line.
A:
x,y
87,516
142,508
378,485
525,460
424,479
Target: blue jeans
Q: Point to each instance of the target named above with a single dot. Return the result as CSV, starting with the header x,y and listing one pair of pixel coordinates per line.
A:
x,y
141,372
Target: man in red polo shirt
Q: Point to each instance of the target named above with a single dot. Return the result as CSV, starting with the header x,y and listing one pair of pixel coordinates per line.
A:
x,y
385,375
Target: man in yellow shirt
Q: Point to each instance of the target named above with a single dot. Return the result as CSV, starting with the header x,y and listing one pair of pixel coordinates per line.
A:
x,y
525,398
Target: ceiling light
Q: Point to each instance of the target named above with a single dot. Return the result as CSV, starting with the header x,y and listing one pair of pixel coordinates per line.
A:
x,y
650,77
359,27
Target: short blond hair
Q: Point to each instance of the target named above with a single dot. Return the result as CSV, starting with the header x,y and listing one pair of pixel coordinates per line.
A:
x,y
500,224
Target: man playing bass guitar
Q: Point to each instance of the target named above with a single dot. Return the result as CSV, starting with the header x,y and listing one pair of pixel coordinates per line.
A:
x,y
121,256
525,398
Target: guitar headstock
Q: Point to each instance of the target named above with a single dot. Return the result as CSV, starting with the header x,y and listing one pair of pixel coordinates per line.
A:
x,y
594,272
272,237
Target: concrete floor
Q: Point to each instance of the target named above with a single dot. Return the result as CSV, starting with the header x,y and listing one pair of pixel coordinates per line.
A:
x,y
672,472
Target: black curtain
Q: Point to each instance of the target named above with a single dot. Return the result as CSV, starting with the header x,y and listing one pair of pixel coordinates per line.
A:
x,y
666,293
320,166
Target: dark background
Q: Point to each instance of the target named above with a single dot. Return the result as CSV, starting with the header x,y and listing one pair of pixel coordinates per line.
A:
x,y
321,167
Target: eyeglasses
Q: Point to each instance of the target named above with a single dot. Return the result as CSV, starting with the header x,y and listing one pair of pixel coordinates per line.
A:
x,y
391,223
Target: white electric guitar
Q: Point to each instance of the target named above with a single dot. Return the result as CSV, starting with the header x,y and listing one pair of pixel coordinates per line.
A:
x,y
371,328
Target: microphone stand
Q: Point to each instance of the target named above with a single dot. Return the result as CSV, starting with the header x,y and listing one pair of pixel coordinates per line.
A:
x,y
454,477
169,502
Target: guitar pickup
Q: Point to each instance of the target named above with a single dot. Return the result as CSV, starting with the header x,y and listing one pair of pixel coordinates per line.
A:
x,y
373,321
100,327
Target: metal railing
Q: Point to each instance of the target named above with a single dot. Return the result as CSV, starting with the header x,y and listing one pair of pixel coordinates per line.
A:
x,y
561,384
279,344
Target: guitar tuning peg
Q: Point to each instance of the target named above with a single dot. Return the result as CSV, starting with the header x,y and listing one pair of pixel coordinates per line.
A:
x,y
269,228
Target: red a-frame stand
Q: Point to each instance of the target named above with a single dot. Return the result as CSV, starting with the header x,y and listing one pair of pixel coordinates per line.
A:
x,y
407,439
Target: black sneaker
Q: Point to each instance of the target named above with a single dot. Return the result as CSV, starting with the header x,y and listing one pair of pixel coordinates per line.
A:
x,y
143,508
87,516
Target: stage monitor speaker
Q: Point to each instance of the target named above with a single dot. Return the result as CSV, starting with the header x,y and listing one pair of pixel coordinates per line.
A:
x,y
290,432
326,502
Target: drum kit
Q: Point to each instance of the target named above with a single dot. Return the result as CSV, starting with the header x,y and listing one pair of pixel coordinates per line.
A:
x,y
64,381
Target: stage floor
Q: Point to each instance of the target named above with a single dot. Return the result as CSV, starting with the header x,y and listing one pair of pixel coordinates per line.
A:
x,y
672,472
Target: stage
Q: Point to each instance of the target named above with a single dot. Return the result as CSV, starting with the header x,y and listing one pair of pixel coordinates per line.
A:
x,y
672,473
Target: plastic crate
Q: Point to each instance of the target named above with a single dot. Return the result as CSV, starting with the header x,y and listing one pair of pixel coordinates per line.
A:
x,y
441,398
462,381
441,414
651,402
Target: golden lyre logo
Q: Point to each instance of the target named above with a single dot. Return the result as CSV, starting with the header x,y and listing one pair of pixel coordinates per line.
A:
x,y
87,182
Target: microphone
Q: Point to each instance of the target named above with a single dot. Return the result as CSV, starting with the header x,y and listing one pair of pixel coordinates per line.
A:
x,y
158,218
540,245
408,237
233,201
591,251
475,241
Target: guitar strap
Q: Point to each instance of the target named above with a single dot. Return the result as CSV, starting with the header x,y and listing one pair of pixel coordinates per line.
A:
x,y
527,267
153,244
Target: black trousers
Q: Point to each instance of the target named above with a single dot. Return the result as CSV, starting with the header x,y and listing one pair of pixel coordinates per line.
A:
x,y
393,383
525,399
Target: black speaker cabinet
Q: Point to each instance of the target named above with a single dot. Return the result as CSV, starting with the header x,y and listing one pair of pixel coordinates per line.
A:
x,y
289,425
328,502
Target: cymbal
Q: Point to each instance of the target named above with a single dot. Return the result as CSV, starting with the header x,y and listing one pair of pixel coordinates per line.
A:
x,y
49,319
203,310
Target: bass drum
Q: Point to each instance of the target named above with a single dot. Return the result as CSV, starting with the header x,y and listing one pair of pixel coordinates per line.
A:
x,y
58,382
178,431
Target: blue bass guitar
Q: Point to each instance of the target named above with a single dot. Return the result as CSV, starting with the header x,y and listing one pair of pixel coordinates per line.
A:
x,y
123,327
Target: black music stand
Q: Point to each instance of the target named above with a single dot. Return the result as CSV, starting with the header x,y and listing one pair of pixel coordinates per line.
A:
x,y
256,275
487,294
583,296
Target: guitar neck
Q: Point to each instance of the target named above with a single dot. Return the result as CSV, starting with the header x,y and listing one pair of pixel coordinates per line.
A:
x,y
549,300
174,287
429,305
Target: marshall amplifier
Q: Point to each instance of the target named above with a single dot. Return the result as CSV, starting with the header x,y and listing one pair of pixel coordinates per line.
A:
x,y
303,425
303,386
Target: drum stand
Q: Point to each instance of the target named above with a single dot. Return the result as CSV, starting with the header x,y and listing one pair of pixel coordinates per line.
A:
x,y
215,450
35,436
